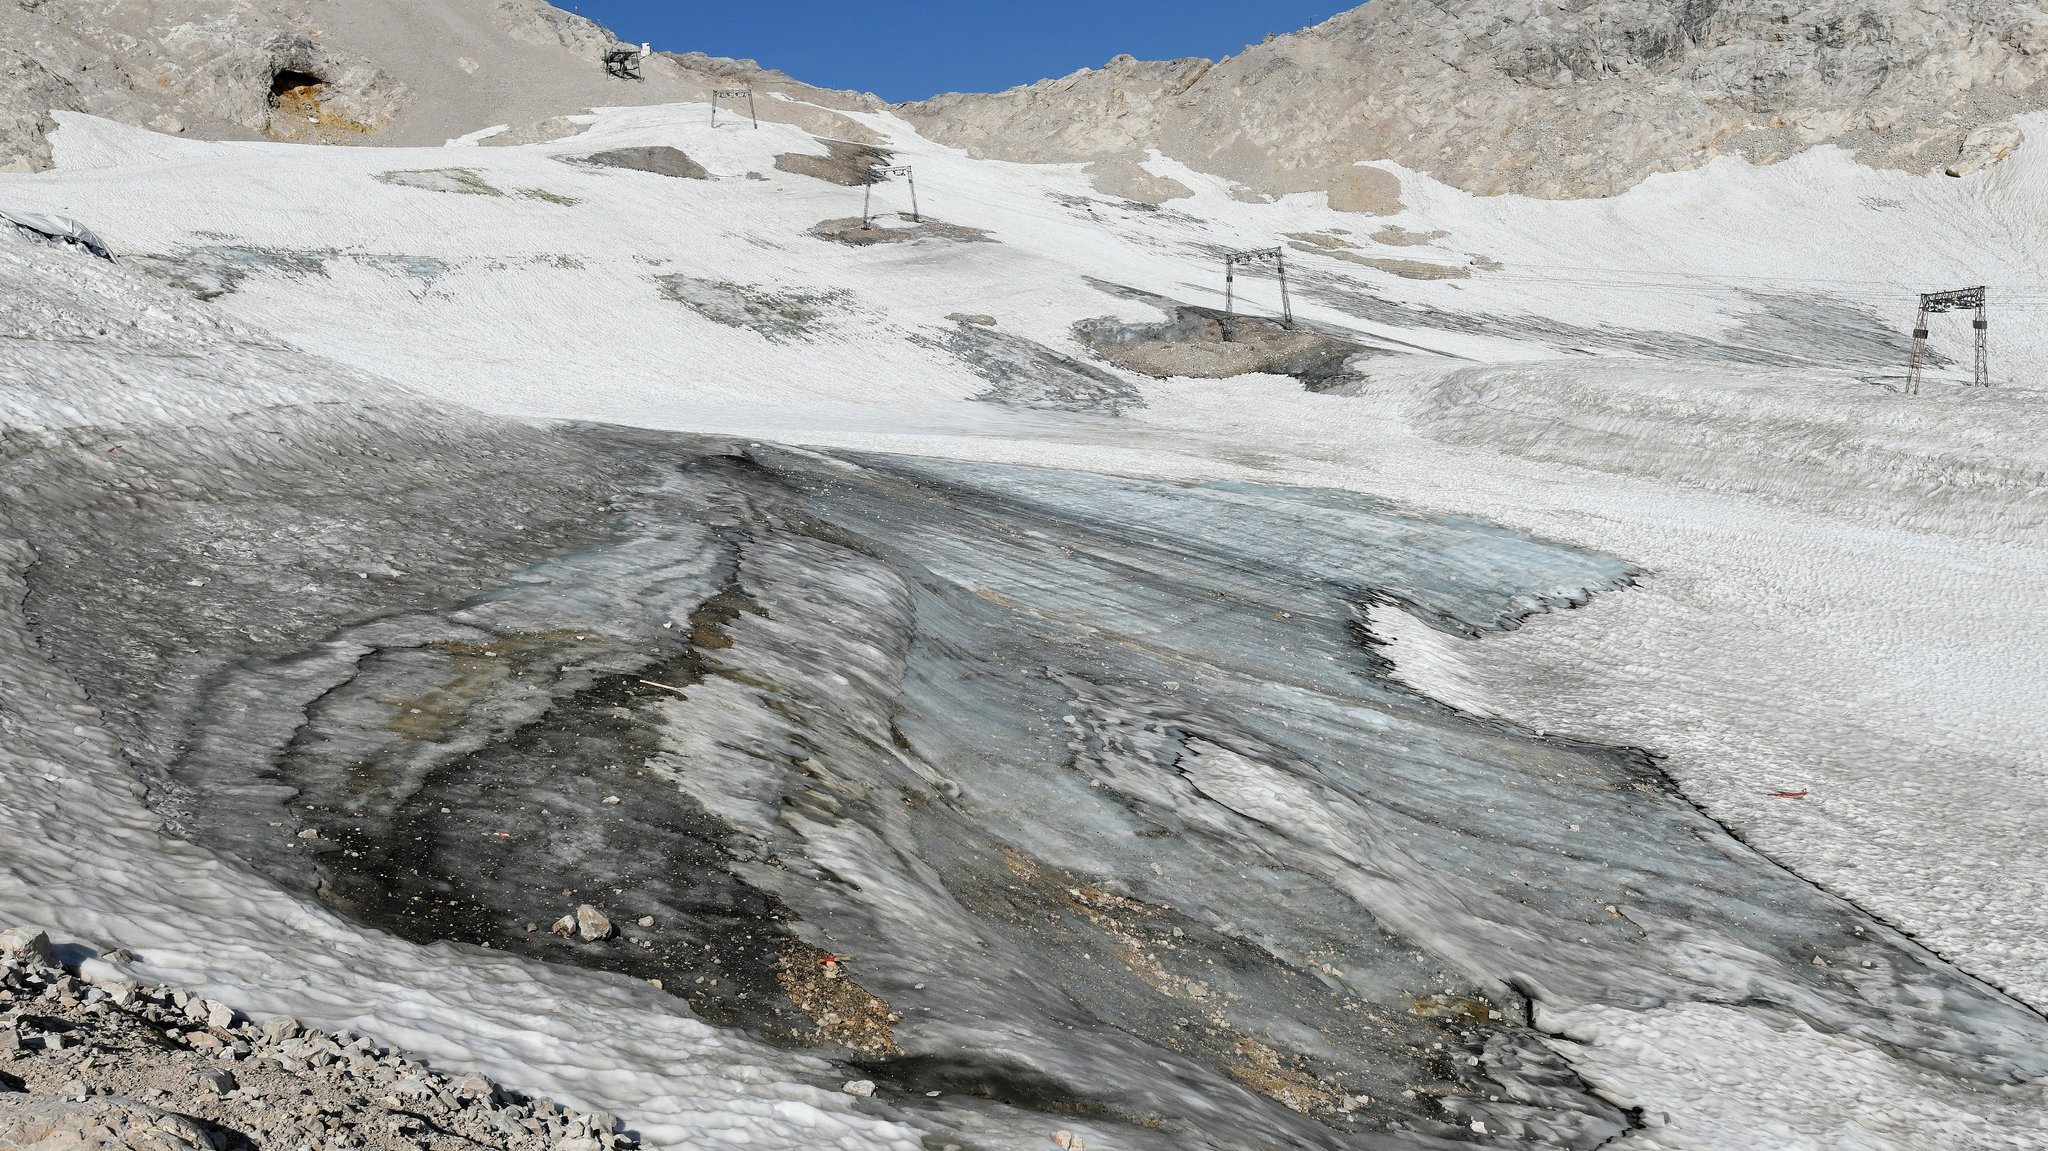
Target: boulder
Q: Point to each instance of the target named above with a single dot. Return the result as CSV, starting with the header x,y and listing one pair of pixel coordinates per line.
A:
x,y
1984,147
592,924
28,945
99,1123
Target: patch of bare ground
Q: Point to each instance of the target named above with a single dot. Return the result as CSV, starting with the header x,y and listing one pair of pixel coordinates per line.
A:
x,y
822,987
1407,269
655,160
1399,237
1204,344
1338,248
846,163
855,233
466,182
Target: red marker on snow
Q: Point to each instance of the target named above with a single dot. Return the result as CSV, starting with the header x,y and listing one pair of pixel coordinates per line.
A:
x,y
1788,795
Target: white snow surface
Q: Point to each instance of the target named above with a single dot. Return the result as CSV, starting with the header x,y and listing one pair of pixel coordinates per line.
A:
x,y
1693,1072
1843,594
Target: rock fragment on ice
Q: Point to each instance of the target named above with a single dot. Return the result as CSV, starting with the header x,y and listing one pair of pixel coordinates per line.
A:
x,y
1069,1141
592,924
860,1087
564,927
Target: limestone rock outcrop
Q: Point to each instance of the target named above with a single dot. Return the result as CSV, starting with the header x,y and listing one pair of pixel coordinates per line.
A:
x,y
1984,147
1554,98
179,67
1557,98
393,72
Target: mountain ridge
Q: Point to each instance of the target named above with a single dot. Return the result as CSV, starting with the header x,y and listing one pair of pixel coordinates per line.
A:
x,y
1541,97
1549,98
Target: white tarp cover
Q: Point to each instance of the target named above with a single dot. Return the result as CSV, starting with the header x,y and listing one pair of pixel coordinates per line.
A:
x,y
62,228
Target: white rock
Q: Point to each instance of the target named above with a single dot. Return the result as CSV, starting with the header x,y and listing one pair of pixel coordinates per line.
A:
x,y
860,1087
28,944
1984,147
592,924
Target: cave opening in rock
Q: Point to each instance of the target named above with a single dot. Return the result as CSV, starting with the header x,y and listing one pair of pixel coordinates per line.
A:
x,y
289,83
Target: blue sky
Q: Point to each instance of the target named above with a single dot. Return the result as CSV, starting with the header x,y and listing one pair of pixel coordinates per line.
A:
x,y
910,49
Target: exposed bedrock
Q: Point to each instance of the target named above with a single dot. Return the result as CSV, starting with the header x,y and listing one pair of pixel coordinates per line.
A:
x,y
895,228
1583,98
844,163
347,72
655,160
183,68
1204,343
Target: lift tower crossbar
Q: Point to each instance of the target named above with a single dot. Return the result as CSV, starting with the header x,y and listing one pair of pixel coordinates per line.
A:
x,y
1233,260
1955,300
867,201
734,94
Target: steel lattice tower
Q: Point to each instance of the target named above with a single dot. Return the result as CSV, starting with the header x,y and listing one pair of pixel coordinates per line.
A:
x,y
1231,260
867,200
1951,301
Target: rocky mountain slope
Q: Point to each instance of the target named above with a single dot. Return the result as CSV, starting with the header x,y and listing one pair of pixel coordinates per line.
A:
x,y
1556,99
1553,98
335,71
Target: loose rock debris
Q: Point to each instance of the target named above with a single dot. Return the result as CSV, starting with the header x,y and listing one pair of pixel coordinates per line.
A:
x,y
102,1062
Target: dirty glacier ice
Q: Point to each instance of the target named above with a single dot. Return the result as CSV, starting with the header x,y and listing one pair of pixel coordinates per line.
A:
x,y
1099,784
